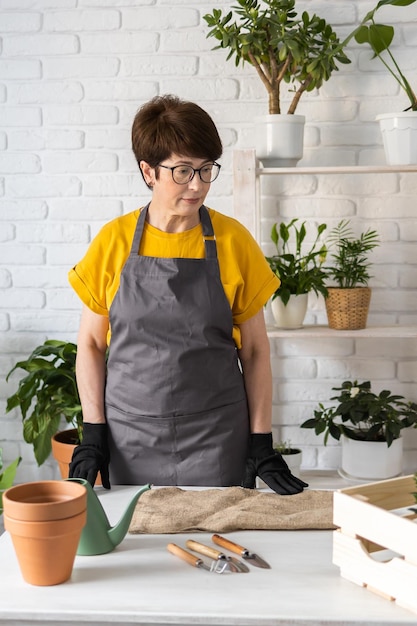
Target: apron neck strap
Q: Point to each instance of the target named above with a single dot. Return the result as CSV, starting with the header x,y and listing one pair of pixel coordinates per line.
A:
x,y
140,225
207,226
209,244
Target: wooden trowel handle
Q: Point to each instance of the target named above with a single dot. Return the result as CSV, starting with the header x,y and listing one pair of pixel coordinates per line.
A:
x,y
229,545
202,549
183,554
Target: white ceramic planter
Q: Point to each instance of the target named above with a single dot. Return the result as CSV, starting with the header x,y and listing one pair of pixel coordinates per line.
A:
x,y
371,460
294,462
279,139
399,134
291,315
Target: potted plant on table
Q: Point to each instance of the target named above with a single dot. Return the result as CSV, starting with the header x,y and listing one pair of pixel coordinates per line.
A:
x,y
284,48
369,426
47,395
292,455
7,476
347,303
300,271
399,130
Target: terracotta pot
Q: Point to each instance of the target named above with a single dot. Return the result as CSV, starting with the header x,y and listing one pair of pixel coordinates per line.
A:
x,y
45,520
63,444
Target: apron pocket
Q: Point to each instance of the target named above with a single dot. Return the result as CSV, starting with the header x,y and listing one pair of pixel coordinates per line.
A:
x,y
205,449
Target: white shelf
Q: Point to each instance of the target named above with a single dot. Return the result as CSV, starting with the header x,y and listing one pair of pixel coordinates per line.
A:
x,y
246,194
318,331
336,169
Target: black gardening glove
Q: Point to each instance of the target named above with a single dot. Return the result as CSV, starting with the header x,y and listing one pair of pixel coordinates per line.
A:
x,y
92,455
268,464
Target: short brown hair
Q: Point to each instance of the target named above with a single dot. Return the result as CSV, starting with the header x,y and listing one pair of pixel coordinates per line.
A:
x,y
168,125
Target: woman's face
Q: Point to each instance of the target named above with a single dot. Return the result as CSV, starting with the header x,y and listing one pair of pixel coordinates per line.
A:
x,y
182,200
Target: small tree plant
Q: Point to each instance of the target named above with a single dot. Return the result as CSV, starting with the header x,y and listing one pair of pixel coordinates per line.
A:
x,y
282,47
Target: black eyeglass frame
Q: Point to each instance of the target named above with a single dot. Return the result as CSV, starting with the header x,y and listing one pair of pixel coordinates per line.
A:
x,y
194,170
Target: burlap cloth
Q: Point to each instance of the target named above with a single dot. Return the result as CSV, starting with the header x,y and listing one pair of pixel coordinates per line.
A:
x,y
174,510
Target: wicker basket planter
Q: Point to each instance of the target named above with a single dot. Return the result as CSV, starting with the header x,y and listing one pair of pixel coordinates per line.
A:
x,y
347,309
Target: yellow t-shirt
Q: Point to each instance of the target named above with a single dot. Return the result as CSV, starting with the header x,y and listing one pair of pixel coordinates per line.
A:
x,y
247,279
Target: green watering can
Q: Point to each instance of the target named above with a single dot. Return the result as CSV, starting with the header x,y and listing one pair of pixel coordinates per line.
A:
x,y
97,536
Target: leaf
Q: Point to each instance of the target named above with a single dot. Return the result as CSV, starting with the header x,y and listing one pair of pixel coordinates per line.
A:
x,y
399,3
310,423
380,37
42,444
274,234
8,476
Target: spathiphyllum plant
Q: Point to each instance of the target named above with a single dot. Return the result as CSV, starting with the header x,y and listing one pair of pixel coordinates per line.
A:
x,y
282,46
363,415
300,270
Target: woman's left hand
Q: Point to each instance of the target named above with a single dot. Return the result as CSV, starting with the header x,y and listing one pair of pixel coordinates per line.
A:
x,y
268,464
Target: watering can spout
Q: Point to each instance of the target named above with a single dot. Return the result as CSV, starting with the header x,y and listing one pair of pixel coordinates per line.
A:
x,y
97,536
118,532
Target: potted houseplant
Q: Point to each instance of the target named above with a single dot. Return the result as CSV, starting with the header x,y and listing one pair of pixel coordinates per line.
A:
x,y
7,476
292,455
285,49
399,130
47,395
300,271
347,303
369,426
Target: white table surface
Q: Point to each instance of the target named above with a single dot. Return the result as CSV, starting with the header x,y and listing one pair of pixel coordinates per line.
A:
x,y
140,582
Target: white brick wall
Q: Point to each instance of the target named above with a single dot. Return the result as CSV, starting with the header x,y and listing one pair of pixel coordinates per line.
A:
x,y
72,75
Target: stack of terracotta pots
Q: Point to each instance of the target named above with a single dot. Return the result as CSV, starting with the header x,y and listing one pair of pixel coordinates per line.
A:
x,y
45,520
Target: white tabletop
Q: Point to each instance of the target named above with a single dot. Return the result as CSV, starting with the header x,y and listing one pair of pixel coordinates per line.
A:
x,y
140,582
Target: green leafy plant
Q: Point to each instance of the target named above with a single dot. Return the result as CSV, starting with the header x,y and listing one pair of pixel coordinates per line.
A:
x,y
47,394
285,447
7,476
350,265
282,47
379,37
363,415
299,271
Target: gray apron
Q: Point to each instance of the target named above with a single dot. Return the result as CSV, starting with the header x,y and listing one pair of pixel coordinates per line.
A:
x,y
175,400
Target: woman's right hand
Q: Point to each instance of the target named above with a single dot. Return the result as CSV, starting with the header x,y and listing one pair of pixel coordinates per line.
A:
x,y
92,455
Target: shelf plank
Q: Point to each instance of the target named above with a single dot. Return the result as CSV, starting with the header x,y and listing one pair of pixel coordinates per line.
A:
x,y
336,169
317,331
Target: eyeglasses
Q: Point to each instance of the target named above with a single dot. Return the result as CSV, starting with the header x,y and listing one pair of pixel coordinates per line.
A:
x,y
183,174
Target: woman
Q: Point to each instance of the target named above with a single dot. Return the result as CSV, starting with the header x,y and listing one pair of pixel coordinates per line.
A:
x,y
175,292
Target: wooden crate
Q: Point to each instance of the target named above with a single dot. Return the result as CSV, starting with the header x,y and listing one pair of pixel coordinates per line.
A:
x,y
375,545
